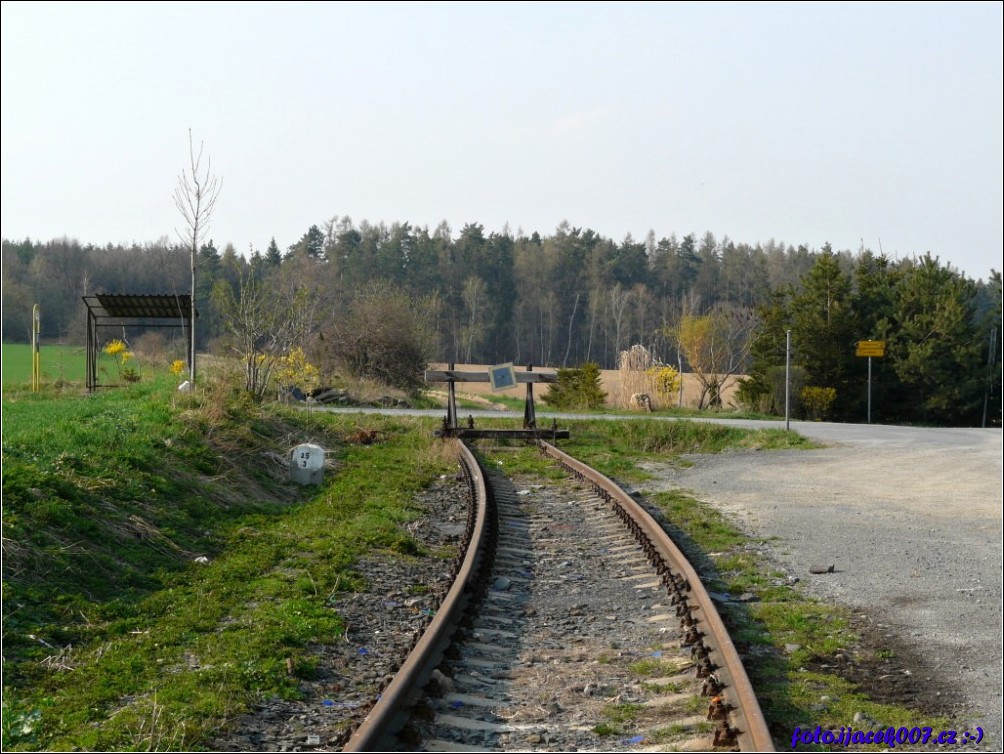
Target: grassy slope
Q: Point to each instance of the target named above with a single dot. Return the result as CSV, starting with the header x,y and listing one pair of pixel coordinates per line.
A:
x,y
107,502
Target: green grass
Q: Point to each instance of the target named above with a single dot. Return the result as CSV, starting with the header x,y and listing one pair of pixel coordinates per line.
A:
x,y
707,526
616,448
58,363
650,667
674,732
605,729
66,366
624,713
107,501
510,401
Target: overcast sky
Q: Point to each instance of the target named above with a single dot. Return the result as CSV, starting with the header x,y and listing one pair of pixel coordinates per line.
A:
x,y
806,123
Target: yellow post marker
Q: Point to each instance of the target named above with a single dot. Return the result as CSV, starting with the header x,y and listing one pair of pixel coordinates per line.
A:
x,y
36,357
871,349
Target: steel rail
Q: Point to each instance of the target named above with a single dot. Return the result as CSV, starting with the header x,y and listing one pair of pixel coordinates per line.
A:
x,y
733,704
387,716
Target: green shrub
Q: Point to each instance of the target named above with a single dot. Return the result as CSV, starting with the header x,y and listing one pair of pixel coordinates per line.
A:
x,y
577,388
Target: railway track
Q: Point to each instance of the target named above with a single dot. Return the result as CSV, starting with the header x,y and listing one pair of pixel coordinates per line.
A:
x,y
574,623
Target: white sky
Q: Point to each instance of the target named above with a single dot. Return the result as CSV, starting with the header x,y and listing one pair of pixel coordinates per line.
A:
x,y
806,123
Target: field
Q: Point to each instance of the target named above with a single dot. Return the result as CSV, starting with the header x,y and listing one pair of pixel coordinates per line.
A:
x,y
618,395
67,363
60,364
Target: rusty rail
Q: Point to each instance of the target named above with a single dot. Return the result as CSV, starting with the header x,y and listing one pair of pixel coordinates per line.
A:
x,y
387,716
733,704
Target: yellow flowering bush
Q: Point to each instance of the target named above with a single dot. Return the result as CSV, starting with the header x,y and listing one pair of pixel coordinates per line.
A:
x,y
119,351
817,401
665,381
294,370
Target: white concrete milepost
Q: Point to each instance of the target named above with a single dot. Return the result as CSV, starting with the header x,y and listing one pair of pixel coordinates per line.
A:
x,y
306,465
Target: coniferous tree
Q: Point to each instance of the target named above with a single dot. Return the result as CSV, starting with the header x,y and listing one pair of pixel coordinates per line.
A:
x,y
823,328
273,257
936,349
577,388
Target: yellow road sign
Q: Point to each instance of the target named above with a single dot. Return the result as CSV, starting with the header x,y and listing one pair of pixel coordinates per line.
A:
x,y
870,348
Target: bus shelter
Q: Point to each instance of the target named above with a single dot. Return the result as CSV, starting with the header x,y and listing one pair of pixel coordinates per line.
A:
x,y
133,310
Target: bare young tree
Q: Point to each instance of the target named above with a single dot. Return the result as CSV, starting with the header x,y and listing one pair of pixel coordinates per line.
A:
x,y
619,300
717,347
474,304
195,197
265,322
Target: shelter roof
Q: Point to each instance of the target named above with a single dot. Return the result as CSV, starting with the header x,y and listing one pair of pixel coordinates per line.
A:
x,y
140,306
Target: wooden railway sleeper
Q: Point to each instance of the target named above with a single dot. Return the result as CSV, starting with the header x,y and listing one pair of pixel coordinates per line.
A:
x,y
725,734
681,592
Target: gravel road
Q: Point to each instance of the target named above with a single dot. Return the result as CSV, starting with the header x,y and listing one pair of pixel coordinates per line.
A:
x,y
911,519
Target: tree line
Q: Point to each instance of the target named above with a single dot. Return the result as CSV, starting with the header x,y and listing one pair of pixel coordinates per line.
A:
x,y
573,297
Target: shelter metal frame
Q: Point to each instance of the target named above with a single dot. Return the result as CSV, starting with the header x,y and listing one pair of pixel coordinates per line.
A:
x,y
140,310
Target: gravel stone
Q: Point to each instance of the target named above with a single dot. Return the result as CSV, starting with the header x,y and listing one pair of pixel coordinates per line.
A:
x,y
565,646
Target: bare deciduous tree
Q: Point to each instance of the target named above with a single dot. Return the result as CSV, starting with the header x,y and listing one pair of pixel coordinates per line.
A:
x,y
265,322
195,197
474,304
619,300
383,333
716,347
